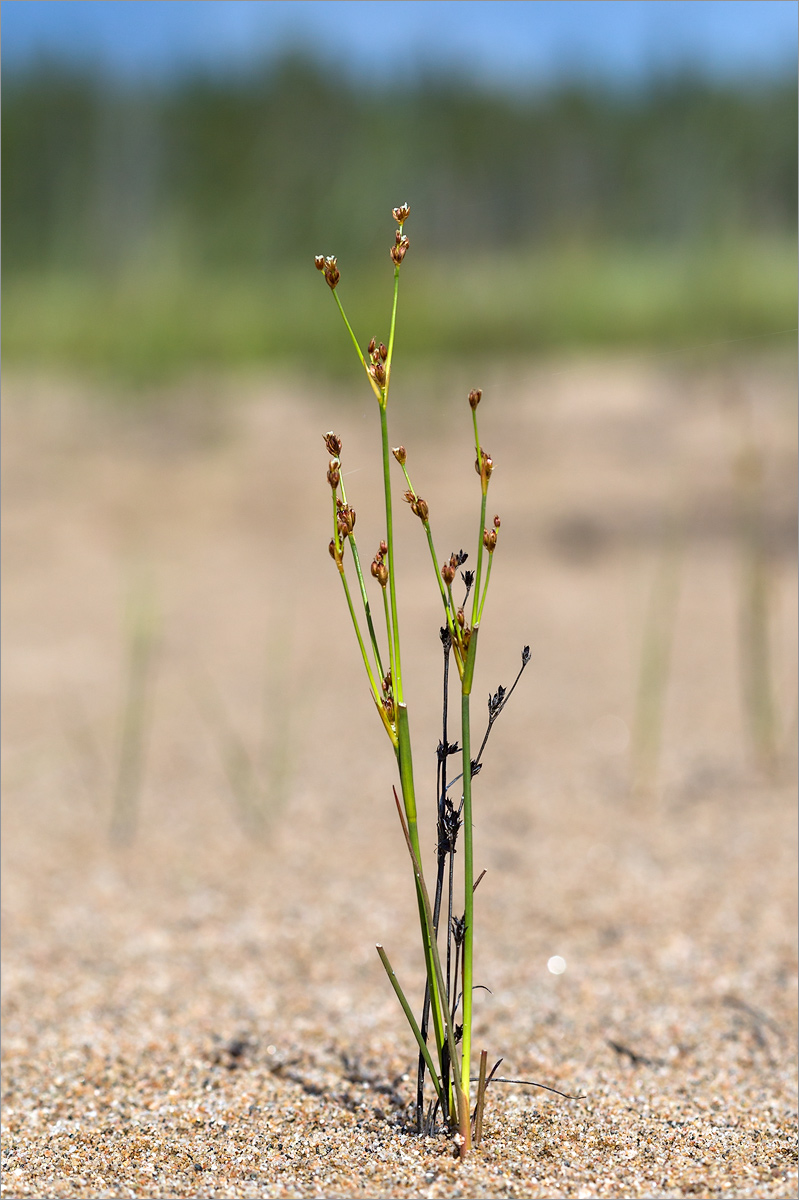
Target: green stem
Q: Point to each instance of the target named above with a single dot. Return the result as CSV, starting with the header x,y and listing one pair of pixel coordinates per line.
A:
x,y
396,669
388,630
425,920
406,1008
468,862
366,663
367,609
485,589
461,1086
478,573
362,585
358,350
446,594
390,354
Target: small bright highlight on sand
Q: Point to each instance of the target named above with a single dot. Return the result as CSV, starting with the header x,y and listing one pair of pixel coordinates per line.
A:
x,y
556,965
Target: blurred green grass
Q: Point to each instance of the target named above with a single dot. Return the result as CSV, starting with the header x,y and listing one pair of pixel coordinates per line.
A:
x,y
156,324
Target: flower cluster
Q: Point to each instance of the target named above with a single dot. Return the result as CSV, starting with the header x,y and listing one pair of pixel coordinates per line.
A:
x,y
490,536
379,569
328,266
377,362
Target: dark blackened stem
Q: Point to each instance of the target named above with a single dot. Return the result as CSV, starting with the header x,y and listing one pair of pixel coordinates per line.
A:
x,y
441,788
492,716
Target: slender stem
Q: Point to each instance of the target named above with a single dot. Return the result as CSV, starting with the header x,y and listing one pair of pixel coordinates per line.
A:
x,y
478,573
461,1081
362,585
485,589
446,592
468,862
396,668
391,332
481,1096
374,386
357,629
406,1008
388,631
425,920
442,850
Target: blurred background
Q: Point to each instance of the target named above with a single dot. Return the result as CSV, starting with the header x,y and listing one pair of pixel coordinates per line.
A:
x,y
581,175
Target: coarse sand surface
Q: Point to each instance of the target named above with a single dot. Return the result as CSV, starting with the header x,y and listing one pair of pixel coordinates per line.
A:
x,y
200,847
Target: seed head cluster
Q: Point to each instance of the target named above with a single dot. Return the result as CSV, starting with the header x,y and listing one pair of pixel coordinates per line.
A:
x,y
401,243
378,568
327,264
377,360
418,506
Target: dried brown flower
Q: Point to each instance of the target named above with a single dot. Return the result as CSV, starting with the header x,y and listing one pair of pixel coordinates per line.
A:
x,y
378,372
346,516
475,396
418,505
484,466
328,265
400,249
333,444
401,214
400,454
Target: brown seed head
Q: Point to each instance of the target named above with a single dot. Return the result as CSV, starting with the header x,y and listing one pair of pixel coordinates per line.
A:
x,y
475,396
399,250
487,467
333,444
418,506
497,522
490,539
400,454
378,372
448,574
382,351
401,214
346,516
384,547
371,347
378,568
461,618
333,474
330,269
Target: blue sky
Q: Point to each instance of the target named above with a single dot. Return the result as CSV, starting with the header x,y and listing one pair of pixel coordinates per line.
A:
x,y
518,43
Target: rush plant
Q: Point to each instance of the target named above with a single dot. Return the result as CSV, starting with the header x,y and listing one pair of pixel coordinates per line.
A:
x,y
446,1057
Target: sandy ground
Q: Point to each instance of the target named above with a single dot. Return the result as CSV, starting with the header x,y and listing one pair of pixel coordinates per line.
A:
x,y
194,1006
